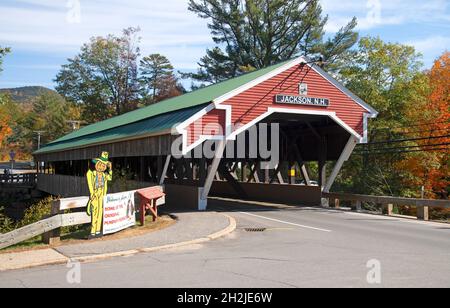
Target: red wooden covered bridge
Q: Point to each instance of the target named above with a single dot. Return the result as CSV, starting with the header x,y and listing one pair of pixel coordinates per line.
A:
x,y
257,137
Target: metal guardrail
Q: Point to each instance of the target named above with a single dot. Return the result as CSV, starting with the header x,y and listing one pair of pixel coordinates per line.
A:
x,y
387,203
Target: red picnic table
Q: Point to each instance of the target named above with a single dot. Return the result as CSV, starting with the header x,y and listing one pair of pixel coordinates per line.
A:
x,y
149,197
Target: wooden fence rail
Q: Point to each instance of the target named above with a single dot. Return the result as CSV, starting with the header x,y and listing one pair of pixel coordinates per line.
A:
x,y
50,227
387,203
42,227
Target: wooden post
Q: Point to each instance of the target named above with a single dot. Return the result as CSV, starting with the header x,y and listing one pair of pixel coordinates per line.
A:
x,y
337,203
292,174
423,213
325,202
267,176
388,209
53,237
142,211
357,205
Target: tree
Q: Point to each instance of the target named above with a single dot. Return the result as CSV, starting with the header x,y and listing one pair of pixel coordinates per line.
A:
x,y
385,75
388,76
154,68
258,33
430,123
5,129
50,114
103,78
167,87
3,52
9,123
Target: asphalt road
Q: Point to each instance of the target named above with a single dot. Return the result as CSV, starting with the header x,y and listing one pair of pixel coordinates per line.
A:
x,y
299,248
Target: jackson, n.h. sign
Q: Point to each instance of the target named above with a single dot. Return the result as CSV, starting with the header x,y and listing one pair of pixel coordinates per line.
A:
x,y
301,100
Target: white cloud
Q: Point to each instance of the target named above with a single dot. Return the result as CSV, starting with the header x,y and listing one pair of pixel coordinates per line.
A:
x,y
42,26
391,12
433,44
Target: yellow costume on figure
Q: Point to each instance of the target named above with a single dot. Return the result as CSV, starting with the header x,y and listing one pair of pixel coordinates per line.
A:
x,y
98,188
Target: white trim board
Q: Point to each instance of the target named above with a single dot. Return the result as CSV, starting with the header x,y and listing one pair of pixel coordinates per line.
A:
x,y
272,110
269,112
229,135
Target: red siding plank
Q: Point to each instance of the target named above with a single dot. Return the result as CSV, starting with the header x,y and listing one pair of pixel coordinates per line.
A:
x,y
255,101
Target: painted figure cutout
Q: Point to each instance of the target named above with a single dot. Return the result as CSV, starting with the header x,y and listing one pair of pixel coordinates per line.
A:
x,y
98,187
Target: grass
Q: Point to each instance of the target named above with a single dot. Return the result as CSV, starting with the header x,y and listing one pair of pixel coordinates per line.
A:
x,y
81,235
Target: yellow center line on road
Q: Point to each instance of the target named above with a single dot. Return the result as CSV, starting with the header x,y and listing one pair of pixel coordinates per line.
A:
x,y
286,222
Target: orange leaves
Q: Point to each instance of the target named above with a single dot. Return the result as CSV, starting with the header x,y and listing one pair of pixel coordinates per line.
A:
x,y
440,104
440,96
5,129
432,168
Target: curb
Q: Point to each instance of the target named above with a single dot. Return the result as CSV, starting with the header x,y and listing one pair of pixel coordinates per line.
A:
x,y
36,264
229,229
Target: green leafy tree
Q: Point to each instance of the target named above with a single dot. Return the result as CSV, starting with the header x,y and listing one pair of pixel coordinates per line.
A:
x,y
251,34
388,76
50,113
103,77
385,75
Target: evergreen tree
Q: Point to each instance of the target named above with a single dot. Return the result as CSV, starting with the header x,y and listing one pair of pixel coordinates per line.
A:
x,y
155,68
252,34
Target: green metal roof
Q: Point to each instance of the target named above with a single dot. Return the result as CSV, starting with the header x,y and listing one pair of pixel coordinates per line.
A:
x,y
120,127
159,123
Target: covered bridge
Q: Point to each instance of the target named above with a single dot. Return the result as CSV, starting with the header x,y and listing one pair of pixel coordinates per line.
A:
x,y
251,137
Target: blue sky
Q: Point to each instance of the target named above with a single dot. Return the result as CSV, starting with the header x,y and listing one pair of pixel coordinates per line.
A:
x,y
44,33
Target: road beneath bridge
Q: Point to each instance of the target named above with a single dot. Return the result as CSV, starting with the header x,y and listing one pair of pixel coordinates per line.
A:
x,y
300,247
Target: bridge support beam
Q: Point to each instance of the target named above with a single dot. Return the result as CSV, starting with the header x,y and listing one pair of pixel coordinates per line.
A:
x,y
350,146
212,171
163,173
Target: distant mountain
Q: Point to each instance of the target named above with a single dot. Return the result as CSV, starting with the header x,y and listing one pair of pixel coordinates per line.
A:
x,y
26,94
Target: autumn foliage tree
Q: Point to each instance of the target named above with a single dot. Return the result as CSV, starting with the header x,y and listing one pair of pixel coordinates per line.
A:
x,y
5,118
5,129
430,124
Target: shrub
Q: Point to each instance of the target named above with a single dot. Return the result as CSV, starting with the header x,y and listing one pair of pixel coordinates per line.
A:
x,y
6,223
37,211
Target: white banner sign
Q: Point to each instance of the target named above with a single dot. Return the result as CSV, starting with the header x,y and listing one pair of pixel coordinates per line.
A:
x,y
119,212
